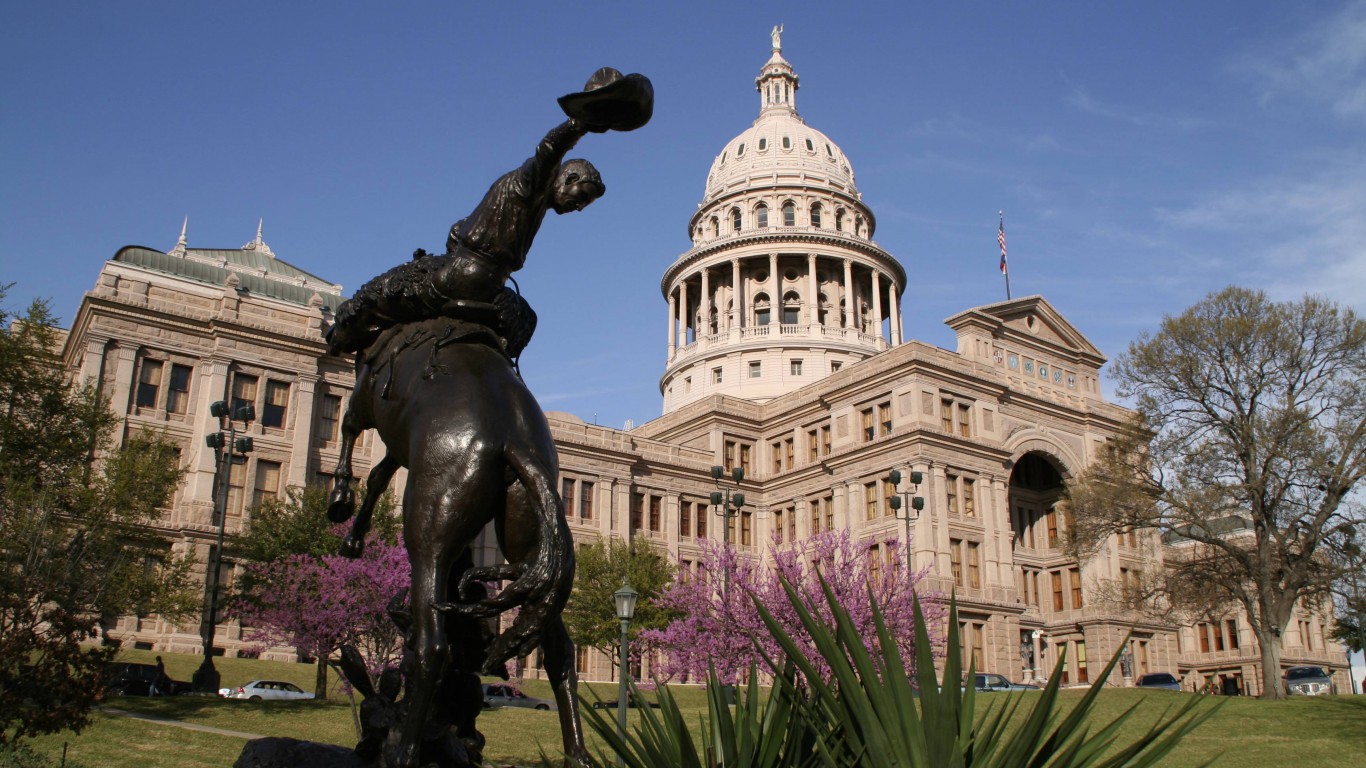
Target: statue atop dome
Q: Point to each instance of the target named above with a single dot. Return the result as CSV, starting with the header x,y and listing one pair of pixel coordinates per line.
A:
x,y
777,35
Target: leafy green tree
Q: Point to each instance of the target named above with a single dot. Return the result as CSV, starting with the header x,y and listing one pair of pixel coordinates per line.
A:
x,y
1249,448
601,568
76,512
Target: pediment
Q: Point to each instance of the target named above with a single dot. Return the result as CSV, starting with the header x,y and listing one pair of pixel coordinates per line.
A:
x,y
1029,322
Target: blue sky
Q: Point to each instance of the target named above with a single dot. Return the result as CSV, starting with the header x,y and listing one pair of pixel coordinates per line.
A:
x,y
1144,154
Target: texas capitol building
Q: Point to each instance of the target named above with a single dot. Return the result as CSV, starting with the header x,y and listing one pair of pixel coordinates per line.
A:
x,y
786,357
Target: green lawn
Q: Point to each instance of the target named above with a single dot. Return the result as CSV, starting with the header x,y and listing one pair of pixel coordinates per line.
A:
x,y
1301,732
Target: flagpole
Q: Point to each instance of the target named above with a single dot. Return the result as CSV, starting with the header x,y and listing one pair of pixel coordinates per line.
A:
x,y
1001,238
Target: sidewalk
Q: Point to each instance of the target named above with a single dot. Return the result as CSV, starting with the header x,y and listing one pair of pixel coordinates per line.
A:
x,y
178,723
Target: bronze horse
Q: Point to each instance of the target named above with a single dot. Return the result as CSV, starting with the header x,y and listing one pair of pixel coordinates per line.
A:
x,y
436,377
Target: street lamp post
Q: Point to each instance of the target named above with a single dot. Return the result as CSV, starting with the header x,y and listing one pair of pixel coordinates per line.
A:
x,y
626,609
729,506
913,506
206,678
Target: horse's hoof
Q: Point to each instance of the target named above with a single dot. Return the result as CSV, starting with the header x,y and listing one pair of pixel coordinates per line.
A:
x,y
341,504
351,547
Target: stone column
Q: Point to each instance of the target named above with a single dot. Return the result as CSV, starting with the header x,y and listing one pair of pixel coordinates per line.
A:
x,y
125,368
848,290
683,312
875,284
813,295
303,431
895,310
737,305
705,302
673,323
775,292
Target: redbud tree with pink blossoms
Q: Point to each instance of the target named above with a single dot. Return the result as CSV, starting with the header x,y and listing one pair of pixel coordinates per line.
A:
x,y
718,626
318,604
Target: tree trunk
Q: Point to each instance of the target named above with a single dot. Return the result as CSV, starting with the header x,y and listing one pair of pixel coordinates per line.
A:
x,y
320,684
1272,685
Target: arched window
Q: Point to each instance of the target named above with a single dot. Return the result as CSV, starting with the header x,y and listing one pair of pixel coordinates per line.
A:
x,y
816,215
860,227
789,214
839,220
787,142
735,219
763,144
761,309
740,151
715,227
761,216
809,146
792,308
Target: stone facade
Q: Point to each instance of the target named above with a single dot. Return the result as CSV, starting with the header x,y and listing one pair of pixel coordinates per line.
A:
x,y
166,334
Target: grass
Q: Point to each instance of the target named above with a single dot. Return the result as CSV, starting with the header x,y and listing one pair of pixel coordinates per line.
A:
x,y
1303,732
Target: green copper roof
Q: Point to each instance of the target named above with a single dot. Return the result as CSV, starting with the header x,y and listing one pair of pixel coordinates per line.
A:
x,y
281,280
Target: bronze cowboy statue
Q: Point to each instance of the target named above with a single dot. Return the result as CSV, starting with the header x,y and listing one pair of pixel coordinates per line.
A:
x,y
436,342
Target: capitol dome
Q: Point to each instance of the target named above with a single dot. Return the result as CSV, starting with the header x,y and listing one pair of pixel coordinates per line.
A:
x,y
783,284
779,140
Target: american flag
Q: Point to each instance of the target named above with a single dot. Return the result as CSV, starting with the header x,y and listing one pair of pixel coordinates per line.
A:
x,y
1001,238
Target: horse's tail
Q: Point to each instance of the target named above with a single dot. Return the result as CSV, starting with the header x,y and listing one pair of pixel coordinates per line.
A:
x,y
543,587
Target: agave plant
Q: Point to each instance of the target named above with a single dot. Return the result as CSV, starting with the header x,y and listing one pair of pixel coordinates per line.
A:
x,y
870,712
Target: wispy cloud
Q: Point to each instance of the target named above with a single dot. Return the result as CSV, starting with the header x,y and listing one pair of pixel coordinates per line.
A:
x,y
1302,232
1326,62
1080,99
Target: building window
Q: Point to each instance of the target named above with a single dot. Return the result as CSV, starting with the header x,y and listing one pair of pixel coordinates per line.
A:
x,y
951,494
825,440
277,400
701,519
812,446
789,215
267,482
964,420
1082,675
1057,590
735,219
761,216
816,215
755,369
716,375
787,142
763,144
237,482
884,418
789,449
656,524
329,417
746,528
777,449
779,517
974,565
637,503
1052,529
946,415
835,365
685,509
149,383
567,496
795,367
869,431
243,391
814,506
585,500
956,560
1074,575
870,500
178,389
969,497
1231,629
740,151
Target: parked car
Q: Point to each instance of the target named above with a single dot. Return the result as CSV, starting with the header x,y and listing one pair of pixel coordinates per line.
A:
x,y
1309,681
1164,680
139,679
501,695
991,682
263,690
634,701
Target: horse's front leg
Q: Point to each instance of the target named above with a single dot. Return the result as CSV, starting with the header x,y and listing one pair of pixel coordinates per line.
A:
x,y
354,544
341,502
560,667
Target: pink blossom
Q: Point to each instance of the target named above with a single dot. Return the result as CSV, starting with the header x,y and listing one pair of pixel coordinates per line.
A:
x,y
728,633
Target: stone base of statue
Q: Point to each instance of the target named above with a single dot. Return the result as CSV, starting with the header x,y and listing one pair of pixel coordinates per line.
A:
x,y
282,752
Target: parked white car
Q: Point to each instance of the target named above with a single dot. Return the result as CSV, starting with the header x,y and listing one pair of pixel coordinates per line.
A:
x,y
267,690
